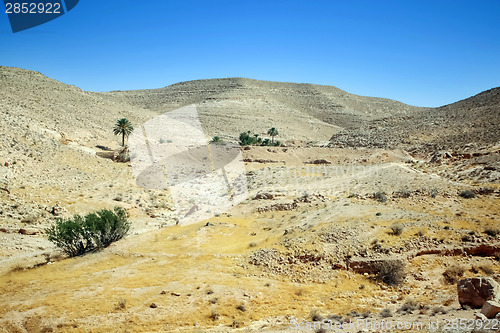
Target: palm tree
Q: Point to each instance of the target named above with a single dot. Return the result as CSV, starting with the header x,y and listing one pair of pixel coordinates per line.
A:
x,y
272,132
123,127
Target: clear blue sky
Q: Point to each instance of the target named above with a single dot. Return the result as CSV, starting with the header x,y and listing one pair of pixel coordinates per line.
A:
x,y
421,52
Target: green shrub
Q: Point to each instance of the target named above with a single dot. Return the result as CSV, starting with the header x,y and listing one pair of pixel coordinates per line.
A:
x,y
216,139
246,139
249,139
94,231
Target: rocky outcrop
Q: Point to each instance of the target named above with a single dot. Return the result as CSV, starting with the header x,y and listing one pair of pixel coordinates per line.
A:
x,y
474,292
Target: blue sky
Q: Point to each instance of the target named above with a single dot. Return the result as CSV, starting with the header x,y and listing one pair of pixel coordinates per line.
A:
x,y
420,52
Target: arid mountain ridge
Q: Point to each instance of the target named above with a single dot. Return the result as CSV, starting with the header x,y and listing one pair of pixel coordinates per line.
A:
x,y
227,107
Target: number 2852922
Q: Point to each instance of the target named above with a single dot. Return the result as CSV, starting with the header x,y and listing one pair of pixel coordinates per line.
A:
x,y
33,8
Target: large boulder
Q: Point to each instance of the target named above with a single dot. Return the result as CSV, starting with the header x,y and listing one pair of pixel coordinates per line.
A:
x,y
474,292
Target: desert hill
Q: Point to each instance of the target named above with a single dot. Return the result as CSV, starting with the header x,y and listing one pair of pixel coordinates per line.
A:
x,y
303,112
467,124
227,107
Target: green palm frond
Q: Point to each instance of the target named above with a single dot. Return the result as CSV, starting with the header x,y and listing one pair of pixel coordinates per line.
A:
x,y
124,128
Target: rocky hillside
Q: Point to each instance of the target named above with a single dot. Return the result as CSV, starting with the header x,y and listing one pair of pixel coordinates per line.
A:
x,y
302,112
467,124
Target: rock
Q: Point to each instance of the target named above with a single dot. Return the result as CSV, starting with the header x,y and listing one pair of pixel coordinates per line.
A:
x,y
474,292
439,156
4,185
153,306
175,294
56,210
321,161
122,156
490,309
28,232
481,316
265,196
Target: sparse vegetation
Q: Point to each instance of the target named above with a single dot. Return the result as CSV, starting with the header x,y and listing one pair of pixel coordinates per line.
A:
x,y
214,315
316,316
409,306
403,193
439,310
124,128
397,229
121,305
391,272
467,194
487,269
453,273
386,313
380,196
82,234
216,139
493,232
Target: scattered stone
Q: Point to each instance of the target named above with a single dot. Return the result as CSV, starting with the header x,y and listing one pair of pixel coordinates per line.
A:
x,y
153,306
175,294
278,207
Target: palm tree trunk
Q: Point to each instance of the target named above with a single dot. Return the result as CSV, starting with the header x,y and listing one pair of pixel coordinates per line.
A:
x,y
272,139
123,139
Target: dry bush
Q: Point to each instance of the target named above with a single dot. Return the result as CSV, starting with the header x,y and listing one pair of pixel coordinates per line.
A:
x,y
214,315
487,269
439,310
493,232
467,194
397,229
121,305
403,193
316,316
380,196
299,292
453,273
409,306
386,313
391,272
